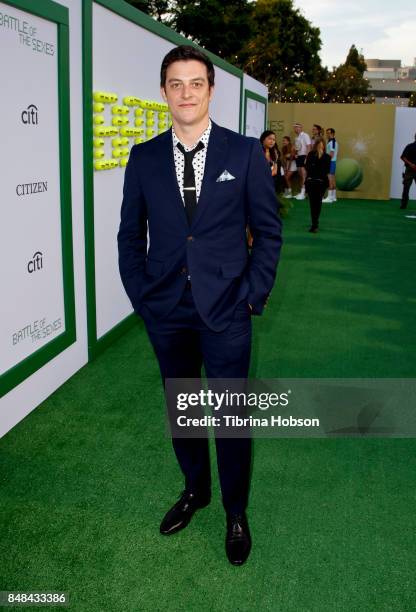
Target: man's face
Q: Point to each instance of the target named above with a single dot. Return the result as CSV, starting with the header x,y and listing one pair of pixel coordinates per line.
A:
x,y
314,131
297,129
187,92
328,135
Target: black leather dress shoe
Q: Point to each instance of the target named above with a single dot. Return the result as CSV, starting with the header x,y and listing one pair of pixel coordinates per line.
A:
x,y
179,516
237,540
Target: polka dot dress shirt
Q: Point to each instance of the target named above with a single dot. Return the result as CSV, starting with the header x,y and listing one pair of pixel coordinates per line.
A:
x,y
198,161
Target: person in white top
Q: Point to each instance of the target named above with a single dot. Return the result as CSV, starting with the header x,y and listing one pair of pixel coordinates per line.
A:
x,y
302,146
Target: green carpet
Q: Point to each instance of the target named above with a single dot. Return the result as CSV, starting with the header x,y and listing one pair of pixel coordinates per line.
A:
x,y
87,476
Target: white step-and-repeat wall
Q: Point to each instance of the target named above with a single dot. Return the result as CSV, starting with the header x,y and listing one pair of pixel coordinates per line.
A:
x,y
32,300
39,351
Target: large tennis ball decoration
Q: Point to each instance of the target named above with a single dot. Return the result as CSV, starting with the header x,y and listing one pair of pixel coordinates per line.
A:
x,y
349,174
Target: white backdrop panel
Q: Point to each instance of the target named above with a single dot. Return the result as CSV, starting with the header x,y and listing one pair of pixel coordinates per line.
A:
x,y
404,133
255,86
256,113
225,105
31,392
255,118
32,305
134,72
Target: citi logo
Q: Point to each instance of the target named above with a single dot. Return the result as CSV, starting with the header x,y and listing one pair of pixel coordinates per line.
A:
x,y
36,263
30,115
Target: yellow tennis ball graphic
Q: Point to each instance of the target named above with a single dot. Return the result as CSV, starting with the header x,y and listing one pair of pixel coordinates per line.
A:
x,y
120,152
131,101
120,142
349,174
120,120
104,130
130,131
105,164
118,109
105,96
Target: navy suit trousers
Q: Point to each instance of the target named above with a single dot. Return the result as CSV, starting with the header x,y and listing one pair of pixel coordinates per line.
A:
x,y
183,343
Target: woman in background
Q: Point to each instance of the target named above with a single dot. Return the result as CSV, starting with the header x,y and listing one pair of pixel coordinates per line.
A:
x,y
271,151
288,164
317,166
272,154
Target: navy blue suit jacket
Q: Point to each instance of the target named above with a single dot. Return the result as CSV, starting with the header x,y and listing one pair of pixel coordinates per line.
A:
x,y
158,249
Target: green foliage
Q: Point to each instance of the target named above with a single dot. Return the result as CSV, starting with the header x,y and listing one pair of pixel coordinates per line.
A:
x,y
283,47
221,27
346,83
300,92
158,9
356,60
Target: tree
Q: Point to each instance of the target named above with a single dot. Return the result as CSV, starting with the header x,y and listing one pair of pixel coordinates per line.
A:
x,y
158,9
356,60
347,83
221,27
300,92
283,47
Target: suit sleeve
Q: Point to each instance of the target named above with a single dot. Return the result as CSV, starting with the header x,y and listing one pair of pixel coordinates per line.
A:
x,y
265,227
132,235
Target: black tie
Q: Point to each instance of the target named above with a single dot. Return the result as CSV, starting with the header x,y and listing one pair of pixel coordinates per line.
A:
x,y
189,189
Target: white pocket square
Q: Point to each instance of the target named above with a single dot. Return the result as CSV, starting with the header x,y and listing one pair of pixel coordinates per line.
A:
x,y
225,176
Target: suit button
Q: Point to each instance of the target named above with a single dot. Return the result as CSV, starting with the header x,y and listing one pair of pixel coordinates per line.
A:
x,y
190,238
184,270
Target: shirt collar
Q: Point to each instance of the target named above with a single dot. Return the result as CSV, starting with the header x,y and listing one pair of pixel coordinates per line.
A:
x,y
203,138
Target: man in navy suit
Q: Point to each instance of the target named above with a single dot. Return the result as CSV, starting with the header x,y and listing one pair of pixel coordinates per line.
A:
x,y
188,196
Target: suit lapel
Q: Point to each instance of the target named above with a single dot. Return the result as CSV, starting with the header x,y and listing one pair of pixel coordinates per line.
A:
x,y
214,166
